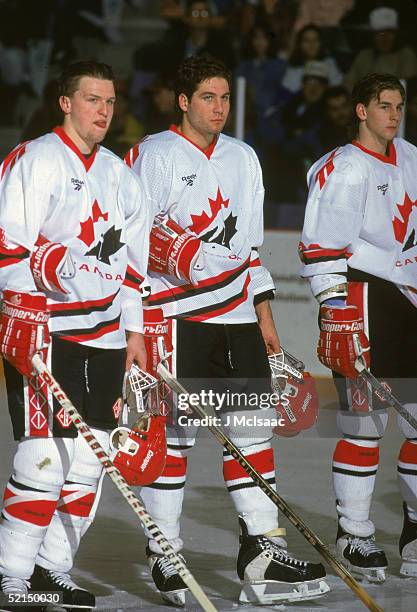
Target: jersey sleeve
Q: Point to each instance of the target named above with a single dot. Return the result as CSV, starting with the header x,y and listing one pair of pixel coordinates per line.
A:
x,y
261,278
137,219
24,200
333,220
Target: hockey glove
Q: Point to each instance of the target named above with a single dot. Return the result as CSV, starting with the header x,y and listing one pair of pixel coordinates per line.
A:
x,y
341,329
174,251
49,263
23,329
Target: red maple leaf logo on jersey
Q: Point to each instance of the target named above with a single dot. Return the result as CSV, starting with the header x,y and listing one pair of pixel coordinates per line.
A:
x,y
201,222
87,227
400,224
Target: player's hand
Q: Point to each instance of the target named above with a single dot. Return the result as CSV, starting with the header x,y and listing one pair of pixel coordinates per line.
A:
x,y
340,330
267,327
135,350
23,329
174,251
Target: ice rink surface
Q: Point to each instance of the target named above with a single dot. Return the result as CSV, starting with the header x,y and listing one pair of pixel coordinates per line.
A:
x,y
111,560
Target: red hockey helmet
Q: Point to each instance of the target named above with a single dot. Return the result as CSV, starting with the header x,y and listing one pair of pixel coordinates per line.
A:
x,y
141,451
296,389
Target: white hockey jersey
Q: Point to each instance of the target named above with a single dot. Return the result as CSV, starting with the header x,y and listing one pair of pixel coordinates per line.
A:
x,y
95,206
218,195
362,213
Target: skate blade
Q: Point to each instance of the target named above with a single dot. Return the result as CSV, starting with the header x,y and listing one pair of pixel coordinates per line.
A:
x,y
302,591
409,568
376,575
175,598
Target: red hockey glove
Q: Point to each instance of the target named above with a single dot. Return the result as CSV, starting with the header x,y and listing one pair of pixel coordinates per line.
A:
x,y
49,263
173,251
337,348
23,329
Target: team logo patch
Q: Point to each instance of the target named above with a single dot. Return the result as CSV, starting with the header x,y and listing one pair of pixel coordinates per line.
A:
x,y
189,179
78,183
63,419
117,408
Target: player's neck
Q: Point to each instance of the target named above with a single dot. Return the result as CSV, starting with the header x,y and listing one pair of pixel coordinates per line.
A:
x,y
203,141
85,147
373,142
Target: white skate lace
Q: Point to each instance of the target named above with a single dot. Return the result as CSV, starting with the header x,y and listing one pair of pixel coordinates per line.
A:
x,y
280,554
166,567
64,580
14,585
366,546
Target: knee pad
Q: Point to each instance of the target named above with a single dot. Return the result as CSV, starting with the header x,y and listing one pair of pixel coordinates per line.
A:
x,y
249,427
408,431
86,468
362,424
43,463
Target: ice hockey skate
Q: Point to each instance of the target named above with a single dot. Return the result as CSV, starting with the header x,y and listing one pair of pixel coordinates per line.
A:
x,y
270,575
361,555
74,597
9,586
408,546
167,580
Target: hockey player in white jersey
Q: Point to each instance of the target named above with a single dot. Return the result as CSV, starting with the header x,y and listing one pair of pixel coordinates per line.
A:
x,y
73,249
210,300
359,252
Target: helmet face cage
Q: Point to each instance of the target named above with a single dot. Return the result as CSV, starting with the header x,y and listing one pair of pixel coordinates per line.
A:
x,y
140,391
283,366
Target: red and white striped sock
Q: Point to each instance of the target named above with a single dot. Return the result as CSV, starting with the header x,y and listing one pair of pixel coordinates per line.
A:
x,y
259,512
355,464
407,476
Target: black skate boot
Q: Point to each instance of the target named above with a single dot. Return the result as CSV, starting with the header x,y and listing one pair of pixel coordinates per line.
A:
x,y
408,546
166,578
10,591
74,597
270,575
361,555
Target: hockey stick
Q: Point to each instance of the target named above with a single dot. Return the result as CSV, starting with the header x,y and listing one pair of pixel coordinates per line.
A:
x,y
384,393
133,501
298,523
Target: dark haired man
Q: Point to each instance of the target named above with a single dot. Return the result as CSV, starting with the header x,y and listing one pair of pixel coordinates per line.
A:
x,y
359,251
214,293
74,246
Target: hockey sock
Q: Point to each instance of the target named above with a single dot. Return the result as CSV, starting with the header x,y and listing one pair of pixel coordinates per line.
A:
x,y
76,507
407,476
259,513
163,498
355,464
30,499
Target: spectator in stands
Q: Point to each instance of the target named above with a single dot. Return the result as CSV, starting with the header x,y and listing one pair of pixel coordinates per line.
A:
x,y
325,14
193,34
278,15
330,131
304,109
309,47
387,54
160,113
263,71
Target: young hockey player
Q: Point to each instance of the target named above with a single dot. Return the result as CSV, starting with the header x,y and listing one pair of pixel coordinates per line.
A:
x,y
74,250
210,296
359,251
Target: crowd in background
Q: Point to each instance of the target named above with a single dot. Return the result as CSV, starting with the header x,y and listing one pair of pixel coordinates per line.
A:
x,y
300,59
